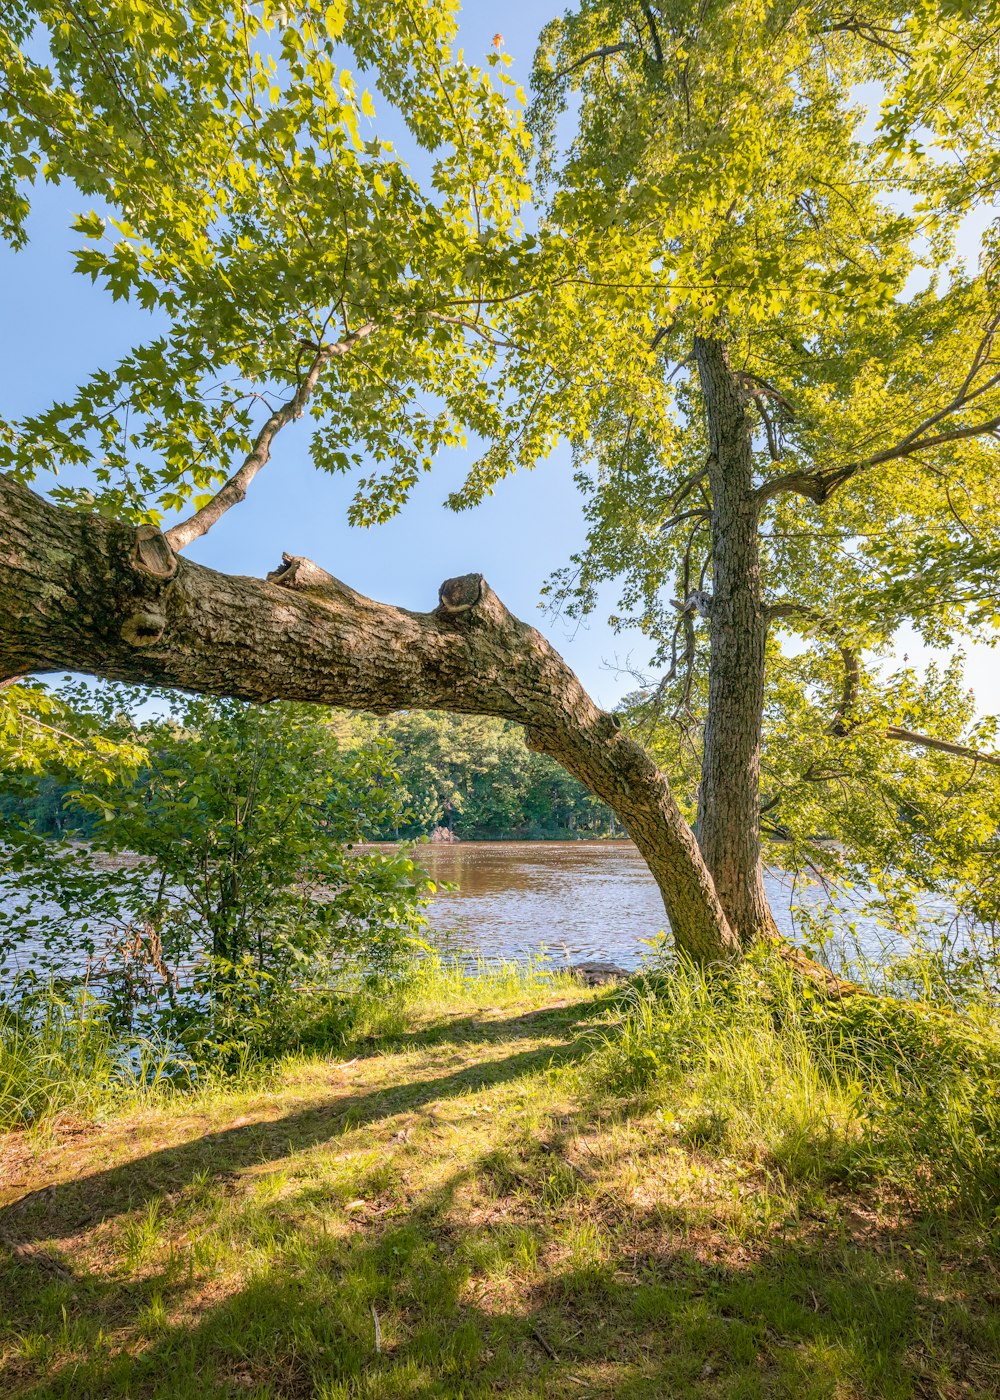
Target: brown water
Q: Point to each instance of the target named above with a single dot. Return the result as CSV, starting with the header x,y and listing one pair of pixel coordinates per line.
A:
x,y
581,899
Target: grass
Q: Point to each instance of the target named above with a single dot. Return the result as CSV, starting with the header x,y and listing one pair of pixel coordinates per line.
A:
x,y
866,1090
69,1059
478,1198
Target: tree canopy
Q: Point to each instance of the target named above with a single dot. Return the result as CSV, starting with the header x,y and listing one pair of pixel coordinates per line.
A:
x,y
716,255
791,181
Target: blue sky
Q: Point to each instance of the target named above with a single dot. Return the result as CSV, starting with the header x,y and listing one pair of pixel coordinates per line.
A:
x,y
60,328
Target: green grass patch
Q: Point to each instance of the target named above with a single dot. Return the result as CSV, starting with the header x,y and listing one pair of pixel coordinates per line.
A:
x,y
865,1089
504,1194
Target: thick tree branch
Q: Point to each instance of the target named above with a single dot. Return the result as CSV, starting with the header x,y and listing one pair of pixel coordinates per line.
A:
x,y
235,489
925,741
819,486
82,593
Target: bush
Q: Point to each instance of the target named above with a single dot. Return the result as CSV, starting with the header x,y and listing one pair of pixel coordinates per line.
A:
x,y
220,902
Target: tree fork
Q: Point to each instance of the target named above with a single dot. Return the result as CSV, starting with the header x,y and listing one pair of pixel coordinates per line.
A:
x,y
102,597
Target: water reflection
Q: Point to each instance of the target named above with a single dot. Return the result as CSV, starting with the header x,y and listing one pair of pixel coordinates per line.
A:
x,y
583,899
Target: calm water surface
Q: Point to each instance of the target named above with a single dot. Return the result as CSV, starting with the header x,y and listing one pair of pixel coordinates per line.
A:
x,y
583,899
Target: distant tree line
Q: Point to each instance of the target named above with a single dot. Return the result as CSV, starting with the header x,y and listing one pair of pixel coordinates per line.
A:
x,y
474,776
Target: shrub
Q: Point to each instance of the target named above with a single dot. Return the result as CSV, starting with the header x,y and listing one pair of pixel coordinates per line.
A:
x,y
220,902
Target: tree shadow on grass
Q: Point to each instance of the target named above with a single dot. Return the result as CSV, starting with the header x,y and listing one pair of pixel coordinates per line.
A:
x,y
510,1276
563,1020
63,1209
427,1302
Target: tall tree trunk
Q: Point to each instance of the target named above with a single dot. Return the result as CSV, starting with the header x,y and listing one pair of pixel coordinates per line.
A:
x,y
729,796
92,595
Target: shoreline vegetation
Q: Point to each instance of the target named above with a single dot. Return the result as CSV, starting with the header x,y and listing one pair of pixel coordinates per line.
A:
x,y
282,1144
471,777
512,1184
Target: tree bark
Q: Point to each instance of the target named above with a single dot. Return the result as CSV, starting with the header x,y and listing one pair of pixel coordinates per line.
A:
x,y
101,597
729,796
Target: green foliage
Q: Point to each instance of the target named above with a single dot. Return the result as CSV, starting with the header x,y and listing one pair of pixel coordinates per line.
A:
x,y
477,776
267,202
725,177
897,833
42,734
473,774
219,900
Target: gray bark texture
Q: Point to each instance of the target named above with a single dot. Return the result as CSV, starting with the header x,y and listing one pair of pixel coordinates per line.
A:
x,y
92,595
729,796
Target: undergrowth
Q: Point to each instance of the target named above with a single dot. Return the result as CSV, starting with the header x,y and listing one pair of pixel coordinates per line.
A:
x,y
61,1053
861,1089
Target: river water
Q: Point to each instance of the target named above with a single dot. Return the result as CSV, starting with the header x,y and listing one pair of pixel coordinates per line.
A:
x,y
583,900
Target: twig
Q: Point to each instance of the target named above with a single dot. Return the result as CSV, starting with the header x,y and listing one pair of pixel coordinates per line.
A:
x,y
604,52
544,1344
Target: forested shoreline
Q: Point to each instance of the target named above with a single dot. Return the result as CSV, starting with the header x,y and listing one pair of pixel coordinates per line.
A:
x,y
472,776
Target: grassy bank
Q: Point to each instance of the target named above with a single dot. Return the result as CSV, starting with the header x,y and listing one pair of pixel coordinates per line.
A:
x,y
476,1198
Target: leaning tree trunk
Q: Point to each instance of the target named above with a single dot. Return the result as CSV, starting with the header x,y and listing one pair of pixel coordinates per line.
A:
x,y
729,796
92,595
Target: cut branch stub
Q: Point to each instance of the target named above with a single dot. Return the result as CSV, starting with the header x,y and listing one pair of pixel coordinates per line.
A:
x,y
296,572
303,576
152,555
459,595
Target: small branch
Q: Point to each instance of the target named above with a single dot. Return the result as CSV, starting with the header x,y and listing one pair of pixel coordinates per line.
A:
x,y
545,1346
466,323
756,384
773,450
235,489
687,486
841,725
654,33
700,513
696,602
604,52
925,741
819,486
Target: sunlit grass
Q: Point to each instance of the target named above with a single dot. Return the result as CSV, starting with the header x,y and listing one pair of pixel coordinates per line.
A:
x,y
476,1205
868,1088
65,1056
